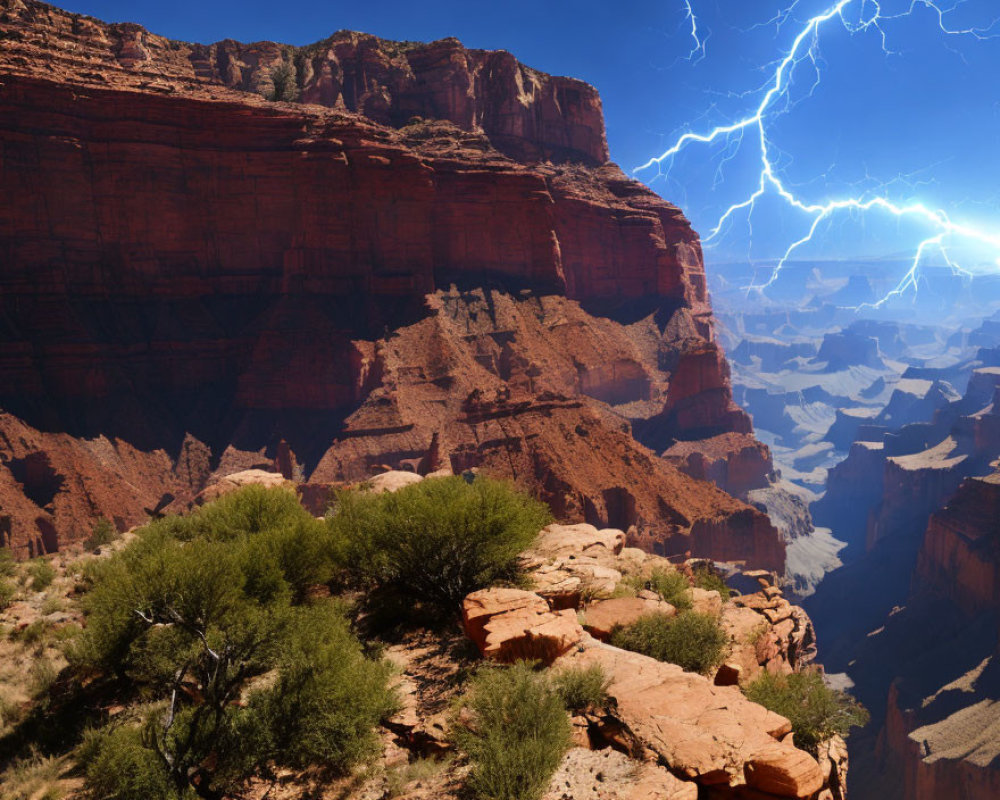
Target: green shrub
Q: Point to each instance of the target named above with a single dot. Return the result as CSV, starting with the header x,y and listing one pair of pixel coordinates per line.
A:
x,y
816,711
281,84
671,585
693,641
40,575
7,593
518,733
7,564
423,769
41,675
436,541
706,577
216,600
30,634
118,765
581,688
101,535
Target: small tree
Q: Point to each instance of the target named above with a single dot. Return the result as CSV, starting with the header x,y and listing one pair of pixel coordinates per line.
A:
x,y
436,541
102,534
517,734
708,577
693,641
40,575
281,83
192,616
582,688
672,585
816,711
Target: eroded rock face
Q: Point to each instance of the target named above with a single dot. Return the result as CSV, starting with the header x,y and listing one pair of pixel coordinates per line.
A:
x,y
735,462
959,554
212,283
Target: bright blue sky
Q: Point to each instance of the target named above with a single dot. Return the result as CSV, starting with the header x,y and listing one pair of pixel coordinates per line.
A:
x,y
931,110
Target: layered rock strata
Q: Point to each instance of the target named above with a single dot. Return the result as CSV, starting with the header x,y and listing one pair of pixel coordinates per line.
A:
x,y
427,263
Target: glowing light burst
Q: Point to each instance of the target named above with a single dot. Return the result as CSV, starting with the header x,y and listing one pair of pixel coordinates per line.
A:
x,y
775,99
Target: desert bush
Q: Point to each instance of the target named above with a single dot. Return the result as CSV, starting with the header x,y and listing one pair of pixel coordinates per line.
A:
x,y
216,601
32,776
101,535
30,634
423,769
816,711
693,641
581,688
40,575
671,585
50,605
7,593
118,765
274,528
41,675
517,735
706,577
436,541
8,567
281,83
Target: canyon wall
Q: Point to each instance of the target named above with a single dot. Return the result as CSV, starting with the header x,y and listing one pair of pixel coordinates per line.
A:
x,y
426,264
914,618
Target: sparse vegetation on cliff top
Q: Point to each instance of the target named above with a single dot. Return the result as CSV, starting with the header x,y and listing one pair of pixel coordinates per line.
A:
x,y
428,545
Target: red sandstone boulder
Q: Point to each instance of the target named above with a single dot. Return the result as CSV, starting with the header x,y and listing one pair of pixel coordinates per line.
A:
x,y
709,734
564,541
238,480
510,625
784,771
602,617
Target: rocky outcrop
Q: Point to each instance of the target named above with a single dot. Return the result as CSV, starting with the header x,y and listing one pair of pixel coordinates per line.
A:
x,y
199,282
946,753
237,480
587,570
959,554
512,625
924,661
849,348
707,734
524,112
689,735
735,462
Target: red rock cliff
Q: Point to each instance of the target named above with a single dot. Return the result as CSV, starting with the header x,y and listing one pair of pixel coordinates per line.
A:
x,y
195,280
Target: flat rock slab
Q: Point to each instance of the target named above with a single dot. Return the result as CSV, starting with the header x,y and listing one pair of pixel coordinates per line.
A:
x,y
603,616
610,775
709,734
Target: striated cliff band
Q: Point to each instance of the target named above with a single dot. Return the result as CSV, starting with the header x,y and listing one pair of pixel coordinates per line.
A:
x,y
426,262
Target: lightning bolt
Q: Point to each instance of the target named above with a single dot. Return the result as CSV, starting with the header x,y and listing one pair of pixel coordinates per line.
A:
x,y
775,99
698,51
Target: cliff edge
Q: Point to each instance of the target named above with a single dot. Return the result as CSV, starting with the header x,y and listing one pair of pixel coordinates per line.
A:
x,y
426,263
